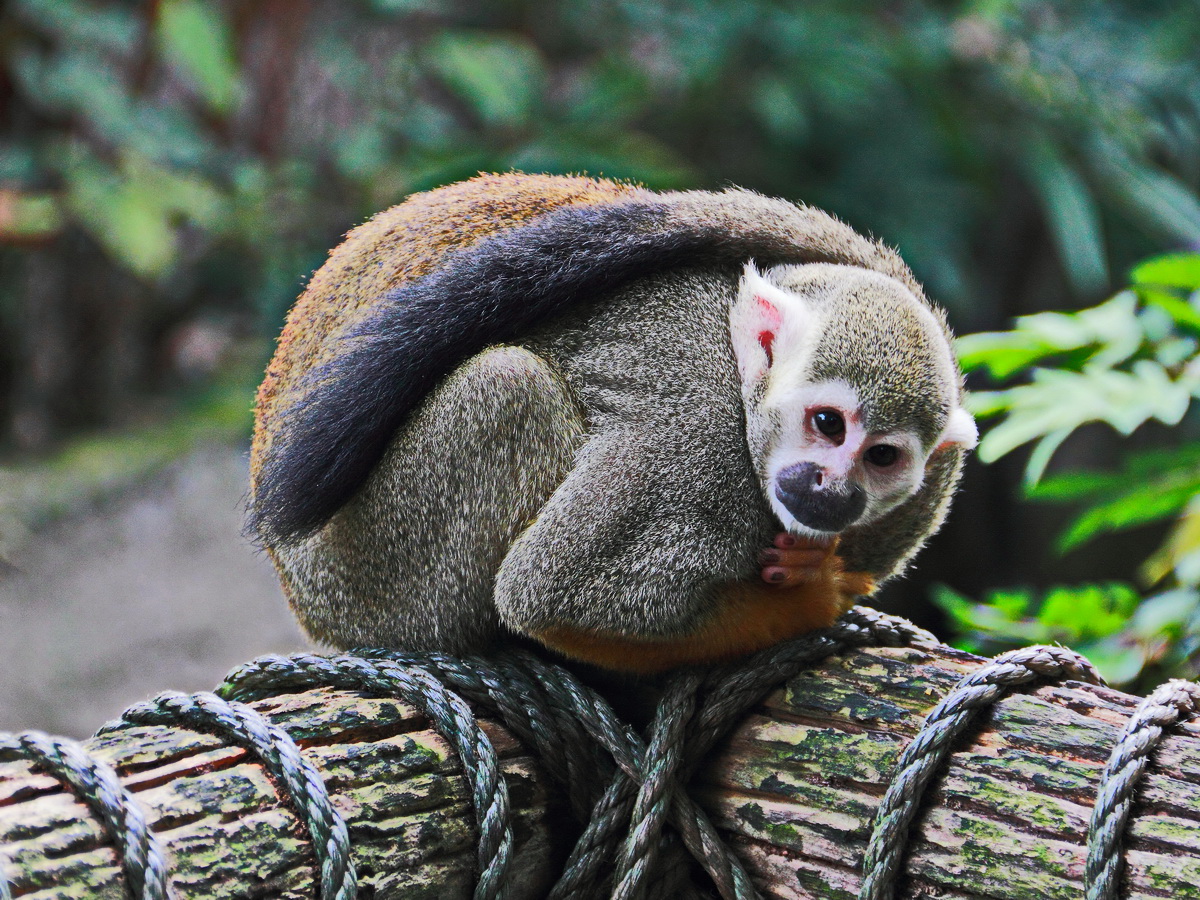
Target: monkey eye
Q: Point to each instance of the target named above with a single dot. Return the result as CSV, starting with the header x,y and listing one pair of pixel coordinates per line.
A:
x,y
829,423
882,455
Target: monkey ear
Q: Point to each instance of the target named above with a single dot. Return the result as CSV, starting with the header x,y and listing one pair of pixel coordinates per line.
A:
x,y
960,432
764,322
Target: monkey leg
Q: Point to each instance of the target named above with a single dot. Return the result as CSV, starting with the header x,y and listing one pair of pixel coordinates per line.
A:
x,y
409,562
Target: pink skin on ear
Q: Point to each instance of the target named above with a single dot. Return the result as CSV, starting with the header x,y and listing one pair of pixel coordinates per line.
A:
x,y
772,318
765,340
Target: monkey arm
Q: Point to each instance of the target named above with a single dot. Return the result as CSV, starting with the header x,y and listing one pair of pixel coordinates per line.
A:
x,y
622,568
885,546
748,617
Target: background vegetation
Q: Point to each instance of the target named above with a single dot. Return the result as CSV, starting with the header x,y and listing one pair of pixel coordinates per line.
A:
x,y
171,171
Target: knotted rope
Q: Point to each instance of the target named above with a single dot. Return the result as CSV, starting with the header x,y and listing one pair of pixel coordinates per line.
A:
x,y
642,832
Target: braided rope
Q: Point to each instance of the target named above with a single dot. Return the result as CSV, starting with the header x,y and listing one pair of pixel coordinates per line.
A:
x,y
928,750
449,713
96,785
281,758
1167,705
641,826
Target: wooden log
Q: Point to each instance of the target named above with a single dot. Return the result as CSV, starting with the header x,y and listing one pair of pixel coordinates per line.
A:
x,y
793,789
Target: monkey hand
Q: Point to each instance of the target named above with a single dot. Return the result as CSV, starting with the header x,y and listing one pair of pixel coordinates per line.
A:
x,y
791,561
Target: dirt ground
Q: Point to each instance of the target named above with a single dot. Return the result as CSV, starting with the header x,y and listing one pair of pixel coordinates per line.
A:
x,y
155,590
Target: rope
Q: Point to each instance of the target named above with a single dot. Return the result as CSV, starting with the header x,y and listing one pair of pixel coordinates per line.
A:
x,y
927,752
642,834
1168,704
281,758
449,713
96,785
623,837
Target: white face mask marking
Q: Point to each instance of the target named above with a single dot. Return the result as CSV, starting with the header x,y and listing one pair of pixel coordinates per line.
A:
x,y
773,332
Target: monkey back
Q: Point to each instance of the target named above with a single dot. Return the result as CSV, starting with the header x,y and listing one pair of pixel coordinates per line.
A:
x,y
420,288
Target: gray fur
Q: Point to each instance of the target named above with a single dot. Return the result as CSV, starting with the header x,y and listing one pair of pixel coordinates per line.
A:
x,y
907,381
663,507
599,476
895,348
410,560
887,545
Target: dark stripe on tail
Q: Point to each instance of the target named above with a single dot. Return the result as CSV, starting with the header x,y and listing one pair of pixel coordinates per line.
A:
x,y
494,291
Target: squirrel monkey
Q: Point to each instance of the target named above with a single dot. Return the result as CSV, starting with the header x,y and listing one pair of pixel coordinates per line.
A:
x,y
642,429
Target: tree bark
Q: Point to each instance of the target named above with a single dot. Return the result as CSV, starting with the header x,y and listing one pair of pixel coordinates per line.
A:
x,y
793,788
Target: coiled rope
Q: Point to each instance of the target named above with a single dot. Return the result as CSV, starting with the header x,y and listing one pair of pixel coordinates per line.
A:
x,y
243,726
642,832
924,756
96,784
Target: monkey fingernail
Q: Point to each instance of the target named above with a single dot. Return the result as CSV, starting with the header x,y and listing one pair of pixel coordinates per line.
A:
x,y
785,541
775,575
769,556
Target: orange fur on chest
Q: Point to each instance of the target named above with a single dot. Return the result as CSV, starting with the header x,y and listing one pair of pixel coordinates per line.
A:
x,y
750,617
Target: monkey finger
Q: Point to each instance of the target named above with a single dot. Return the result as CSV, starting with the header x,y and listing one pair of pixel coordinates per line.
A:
x,y
785,577
794,559
786,541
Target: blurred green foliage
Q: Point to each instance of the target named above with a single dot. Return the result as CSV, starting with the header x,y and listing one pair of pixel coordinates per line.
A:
x,y
171,171
208,143
1130,360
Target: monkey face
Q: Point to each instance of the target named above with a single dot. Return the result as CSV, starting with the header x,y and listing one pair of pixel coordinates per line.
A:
x,y
825,470
840,430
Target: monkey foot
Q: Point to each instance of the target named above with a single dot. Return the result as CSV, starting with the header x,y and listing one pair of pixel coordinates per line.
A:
x,y
793,560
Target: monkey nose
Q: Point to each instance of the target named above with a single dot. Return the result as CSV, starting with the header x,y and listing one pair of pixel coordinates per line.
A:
x,y
815,501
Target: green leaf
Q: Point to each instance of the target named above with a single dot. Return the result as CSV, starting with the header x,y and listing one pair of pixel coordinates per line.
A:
x,y
1180,311
135,212
1073,217
1175,270
1012,604
1075,486
1039,459
1002,353
982,404
1138,505
500,76
1089,610
1166,613
195,37
1057,401
28,216
1119,661
1112,328
1157,196
959,607
128,222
